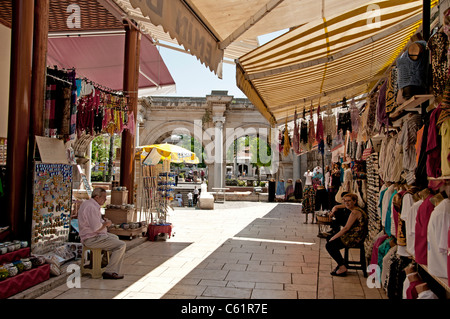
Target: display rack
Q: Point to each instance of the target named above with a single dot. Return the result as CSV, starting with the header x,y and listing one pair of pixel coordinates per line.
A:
x,y
52,203
3,148
156,192
412,105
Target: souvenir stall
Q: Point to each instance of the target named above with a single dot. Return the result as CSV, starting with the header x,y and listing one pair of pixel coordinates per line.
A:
x,y
156,182
409,176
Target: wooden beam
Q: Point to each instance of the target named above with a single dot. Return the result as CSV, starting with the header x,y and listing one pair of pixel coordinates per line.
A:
x,y
130,87
41,26
19,115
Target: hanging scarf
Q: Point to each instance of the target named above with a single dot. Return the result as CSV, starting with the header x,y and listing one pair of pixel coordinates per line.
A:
x,y
354,116
312,132
296,141
319,133
287,144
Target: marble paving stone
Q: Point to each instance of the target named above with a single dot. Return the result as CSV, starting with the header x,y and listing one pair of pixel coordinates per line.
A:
x,y
269,286
227,292
273,294
259,276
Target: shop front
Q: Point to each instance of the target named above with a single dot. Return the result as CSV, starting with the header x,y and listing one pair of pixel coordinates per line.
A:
x,y
63,91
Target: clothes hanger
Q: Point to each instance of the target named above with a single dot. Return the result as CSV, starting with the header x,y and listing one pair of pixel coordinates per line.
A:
x,y
423,194
438,198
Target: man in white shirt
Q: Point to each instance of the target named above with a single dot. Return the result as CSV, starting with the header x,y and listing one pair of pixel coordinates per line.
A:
x,y
189,196
196,193
94,233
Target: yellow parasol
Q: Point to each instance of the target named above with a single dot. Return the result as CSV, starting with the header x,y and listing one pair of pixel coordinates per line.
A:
x,y
174,153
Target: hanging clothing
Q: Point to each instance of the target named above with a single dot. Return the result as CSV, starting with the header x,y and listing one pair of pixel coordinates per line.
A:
x,y
311,134
422,219
281,190
444,132
438,45
303,134
344,122
391,90
298,190
355,118
272,189
308,202
287,141
296,136
437,232
319,131
321,200
382,117
433,149
412,73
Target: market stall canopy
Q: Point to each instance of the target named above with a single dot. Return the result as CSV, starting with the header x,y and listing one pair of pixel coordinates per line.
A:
x,y
209,29
89,36
101,60
336,56
175,153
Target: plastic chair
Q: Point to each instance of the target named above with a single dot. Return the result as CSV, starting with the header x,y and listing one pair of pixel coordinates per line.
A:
x,y
95,267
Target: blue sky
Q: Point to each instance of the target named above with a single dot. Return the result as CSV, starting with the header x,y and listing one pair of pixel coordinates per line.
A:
x,y
194,79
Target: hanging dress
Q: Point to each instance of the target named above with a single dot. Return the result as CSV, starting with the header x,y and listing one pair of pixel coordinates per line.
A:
x,y
296,137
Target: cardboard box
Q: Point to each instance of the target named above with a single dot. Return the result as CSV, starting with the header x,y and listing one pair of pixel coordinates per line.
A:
x,y
119,197
120,216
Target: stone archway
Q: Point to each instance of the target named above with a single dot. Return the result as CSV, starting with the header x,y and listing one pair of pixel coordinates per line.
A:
x,y
214,121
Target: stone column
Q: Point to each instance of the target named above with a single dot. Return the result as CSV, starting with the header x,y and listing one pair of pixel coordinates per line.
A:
x,y
296,168
218,154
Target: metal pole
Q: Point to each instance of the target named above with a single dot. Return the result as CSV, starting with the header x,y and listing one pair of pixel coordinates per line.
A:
x,y
426,19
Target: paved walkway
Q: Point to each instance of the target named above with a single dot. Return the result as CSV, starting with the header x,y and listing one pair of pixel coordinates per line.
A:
x,y
240,250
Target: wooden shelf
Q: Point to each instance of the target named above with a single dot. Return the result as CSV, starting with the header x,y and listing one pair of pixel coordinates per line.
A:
x,y
411,105
440,178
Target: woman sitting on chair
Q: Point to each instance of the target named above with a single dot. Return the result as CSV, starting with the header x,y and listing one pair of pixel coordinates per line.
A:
x,y
351,235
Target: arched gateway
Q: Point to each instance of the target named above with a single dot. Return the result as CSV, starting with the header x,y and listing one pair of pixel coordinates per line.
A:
x,y
215,121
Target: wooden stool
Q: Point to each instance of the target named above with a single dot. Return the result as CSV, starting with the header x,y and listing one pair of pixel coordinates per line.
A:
x,y
95,269
361,264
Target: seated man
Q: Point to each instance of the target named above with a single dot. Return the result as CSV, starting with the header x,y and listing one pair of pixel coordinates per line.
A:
x,y
94,233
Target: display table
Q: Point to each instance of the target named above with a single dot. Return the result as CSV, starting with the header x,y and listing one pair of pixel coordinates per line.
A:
x,y
128,232
25,280
15,255
154,230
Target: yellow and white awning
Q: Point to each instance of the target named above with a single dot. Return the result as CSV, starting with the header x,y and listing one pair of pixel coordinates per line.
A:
x,y
234,25
327,59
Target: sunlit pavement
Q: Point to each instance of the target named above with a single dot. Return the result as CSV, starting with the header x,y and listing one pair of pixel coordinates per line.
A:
x,y
239,250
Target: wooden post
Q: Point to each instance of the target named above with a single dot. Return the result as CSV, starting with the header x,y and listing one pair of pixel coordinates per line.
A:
x,y
41,26
19,113
130,86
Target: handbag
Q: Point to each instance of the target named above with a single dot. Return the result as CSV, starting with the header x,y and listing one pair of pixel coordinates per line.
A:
x,y
338,197
368,151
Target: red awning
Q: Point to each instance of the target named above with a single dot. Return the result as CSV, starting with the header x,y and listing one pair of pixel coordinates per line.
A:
x,y
100,58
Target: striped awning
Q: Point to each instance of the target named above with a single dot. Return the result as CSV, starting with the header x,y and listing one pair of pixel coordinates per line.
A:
x,y
325,60
234,24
